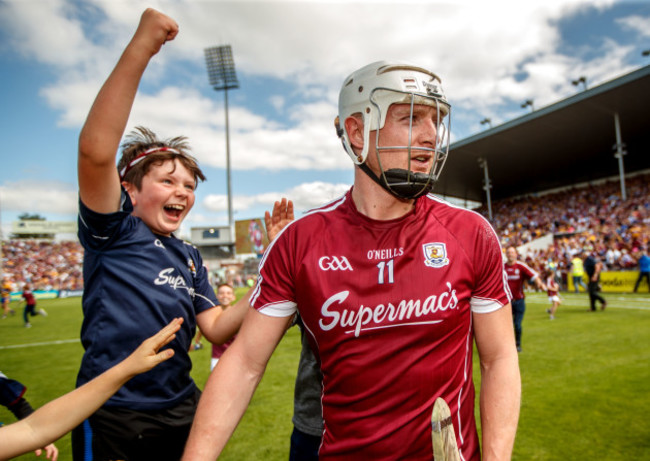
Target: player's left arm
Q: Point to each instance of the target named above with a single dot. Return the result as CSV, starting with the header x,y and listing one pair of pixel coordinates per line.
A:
x,y
500,382
535,279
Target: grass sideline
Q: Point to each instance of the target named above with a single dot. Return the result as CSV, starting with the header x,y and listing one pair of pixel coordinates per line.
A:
x,y
585,379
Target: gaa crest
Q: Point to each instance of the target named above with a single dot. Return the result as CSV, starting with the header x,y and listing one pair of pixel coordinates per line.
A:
x,y
435,254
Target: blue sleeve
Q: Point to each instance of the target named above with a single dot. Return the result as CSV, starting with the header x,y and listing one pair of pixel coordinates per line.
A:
x,y
204,296
95,230
10,391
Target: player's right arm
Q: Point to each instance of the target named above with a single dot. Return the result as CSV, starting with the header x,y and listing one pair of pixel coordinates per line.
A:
x,y
99,183
231,385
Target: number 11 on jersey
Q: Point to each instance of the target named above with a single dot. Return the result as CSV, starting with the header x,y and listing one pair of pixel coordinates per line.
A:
x,y
388,268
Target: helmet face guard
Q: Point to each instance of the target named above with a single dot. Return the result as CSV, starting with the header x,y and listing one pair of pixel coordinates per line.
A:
x,y
370,92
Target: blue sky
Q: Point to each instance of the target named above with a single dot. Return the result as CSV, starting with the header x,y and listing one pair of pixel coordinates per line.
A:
x,y
291,58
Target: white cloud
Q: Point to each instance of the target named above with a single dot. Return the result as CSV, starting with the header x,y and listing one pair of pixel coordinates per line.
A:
x,y
639,24
490,55
304,196
278,102
39,197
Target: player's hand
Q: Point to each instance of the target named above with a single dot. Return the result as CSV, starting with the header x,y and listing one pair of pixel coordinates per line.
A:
x,y
282,215
51,452
154,30
147,355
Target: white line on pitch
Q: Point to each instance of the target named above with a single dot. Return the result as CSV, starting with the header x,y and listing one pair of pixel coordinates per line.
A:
x,y
46,343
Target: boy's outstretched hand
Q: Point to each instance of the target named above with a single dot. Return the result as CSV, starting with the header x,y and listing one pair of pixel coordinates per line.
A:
x,y
282,215
146,356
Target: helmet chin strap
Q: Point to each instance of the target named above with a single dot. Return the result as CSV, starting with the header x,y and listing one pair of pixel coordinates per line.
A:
x,y
401,183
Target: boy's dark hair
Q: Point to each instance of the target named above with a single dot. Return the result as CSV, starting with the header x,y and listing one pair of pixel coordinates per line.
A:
x,y
142,139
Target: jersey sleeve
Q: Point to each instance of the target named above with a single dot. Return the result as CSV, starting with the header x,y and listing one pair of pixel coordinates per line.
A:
x,y
491,285
275,291
10,391
204,296
96,229
530,272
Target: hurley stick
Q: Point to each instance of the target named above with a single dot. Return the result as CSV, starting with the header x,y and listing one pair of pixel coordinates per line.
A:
x,y
443,437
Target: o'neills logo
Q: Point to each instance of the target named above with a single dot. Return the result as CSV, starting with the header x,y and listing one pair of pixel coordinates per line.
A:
x,y
384,315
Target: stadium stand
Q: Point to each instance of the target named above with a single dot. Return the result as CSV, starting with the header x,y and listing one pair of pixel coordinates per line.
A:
x,y
45,264
580,219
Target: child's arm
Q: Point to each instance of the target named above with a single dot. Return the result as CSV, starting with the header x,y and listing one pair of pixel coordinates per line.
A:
x,y
220,326
61,415
99,183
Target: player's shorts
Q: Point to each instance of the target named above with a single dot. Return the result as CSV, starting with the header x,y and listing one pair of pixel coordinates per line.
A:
x,y
120,433
554,299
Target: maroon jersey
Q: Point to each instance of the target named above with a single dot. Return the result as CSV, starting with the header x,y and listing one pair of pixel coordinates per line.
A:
x,y
518,273
29,297
219,349
552,287
388,307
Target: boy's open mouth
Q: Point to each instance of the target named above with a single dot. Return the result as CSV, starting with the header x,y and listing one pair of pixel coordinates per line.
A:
x,y
174,210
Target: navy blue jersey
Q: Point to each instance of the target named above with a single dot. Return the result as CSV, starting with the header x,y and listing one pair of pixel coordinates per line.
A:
x,y
136,282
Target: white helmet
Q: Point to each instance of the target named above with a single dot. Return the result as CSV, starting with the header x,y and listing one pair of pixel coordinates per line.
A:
x,y
370,91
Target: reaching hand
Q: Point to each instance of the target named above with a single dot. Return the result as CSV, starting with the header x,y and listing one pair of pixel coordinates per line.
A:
x,y
282,215
146,356
51,452
155,29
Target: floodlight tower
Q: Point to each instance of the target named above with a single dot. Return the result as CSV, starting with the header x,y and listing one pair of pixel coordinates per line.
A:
x,y
222,77
487,184
528,103
581,80
487,121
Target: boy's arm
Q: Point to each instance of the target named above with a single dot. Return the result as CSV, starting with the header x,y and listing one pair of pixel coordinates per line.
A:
x,y
219,326
60,416
232,384
99,183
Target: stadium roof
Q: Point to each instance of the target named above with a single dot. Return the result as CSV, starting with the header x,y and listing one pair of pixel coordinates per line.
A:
x,y
569,142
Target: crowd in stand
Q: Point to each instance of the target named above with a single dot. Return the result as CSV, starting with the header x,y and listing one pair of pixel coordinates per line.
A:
x,y
582,219
43,264
592,218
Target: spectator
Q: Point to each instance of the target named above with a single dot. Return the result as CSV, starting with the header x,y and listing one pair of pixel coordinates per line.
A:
x,y
6,298
577,273
226,296
644,269
593,268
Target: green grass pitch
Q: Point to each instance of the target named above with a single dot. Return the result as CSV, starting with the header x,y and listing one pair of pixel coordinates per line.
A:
x,y
585,379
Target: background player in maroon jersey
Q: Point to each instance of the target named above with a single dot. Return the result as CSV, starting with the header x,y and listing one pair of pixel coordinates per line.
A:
x,y
30,306
553,292
518,273
392,284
